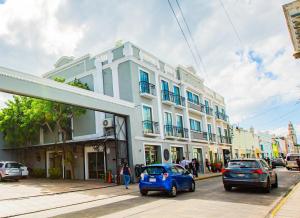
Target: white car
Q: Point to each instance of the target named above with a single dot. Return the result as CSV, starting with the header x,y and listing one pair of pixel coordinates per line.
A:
x,y
24,170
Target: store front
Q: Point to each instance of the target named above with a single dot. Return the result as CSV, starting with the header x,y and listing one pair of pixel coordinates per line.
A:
x,y
152,154
198,154
176,154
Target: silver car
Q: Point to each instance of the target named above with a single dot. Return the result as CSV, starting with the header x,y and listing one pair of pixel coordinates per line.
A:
x,y
10,170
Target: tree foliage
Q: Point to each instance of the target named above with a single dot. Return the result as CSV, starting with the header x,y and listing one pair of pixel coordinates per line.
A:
x,y
22,118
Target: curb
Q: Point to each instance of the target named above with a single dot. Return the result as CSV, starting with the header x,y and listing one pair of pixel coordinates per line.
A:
x,y
279,203
207,177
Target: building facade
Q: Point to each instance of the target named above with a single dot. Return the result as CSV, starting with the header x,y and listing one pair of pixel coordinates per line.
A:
x,y
292,139
245,143
292,16
176,116
266,144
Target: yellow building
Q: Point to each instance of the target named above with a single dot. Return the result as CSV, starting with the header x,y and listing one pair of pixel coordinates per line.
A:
x,y
245,143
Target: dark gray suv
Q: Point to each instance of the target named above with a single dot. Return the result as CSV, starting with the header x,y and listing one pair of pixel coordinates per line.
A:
x,y
249,173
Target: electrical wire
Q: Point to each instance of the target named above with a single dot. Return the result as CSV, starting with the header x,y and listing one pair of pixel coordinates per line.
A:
x,y
231,22
181,29
192,38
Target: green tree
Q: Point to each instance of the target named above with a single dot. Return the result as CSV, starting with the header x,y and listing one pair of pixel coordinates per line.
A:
x,y
22,118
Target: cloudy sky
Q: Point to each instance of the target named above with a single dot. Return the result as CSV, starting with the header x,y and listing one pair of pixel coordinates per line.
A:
x,y
253,69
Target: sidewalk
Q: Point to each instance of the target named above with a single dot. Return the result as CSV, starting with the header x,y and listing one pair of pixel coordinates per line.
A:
x,y
207,175
289,206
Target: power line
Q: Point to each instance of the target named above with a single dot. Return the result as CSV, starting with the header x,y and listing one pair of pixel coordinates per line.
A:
x,y
233,27
181,29
192,38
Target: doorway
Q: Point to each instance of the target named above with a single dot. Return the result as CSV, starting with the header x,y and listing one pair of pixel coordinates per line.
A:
x,y
55,160
197,153
96,169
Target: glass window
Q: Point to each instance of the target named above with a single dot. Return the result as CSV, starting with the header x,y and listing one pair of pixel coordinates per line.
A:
x,y
179,121
209,128
195,125
154,170
168,118
177,95
189,96
147,113
144,77
164,85
180,169
173,170
243,164
12,165
1,164
196,99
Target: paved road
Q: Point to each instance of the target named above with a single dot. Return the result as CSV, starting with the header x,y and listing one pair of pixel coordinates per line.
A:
x,y
209,200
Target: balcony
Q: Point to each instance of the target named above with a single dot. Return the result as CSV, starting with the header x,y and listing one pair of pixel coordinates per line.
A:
x,y
173,132
208,111
150,128
221,116
147,90
196,136
224,139
171,99
212,137
197,108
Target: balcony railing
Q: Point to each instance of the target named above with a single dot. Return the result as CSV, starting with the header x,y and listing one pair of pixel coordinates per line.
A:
x,y
212,137
198,107
209,110
176,131
171,97
150,127
147,88
199,135
222,116
224,139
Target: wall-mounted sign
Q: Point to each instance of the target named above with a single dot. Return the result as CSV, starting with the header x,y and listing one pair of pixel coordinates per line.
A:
x,y
166,154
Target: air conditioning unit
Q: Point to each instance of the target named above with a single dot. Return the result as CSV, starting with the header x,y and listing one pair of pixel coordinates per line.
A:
x,y
108,122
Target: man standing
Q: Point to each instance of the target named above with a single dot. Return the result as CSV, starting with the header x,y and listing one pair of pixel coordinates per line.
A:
x,y
184,163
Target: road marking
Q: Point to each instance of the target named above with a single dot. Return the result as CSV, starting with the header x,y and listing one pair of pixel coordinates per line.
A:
x,y
284,199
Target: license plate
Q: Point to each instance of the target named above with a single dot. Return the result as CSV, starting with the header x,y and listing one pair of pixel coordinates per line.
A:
x,y
152,180
240,175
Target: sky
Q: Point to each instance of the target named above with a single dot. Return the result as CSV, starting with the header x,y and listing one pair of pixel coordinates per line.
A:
x,y
250,62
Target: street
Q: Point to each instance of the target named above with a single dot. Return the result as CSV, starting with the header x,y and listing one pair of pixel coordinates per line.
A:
x,y
209,200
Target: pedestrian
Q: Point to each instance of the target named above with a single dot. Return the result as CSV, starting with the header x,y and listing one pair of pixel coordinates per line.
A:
x,y
207,164
184,163
195,167
126,172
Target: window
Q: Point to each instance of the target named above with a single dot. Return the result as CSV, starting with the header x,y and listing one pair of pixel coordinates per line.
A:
x,y
165,91
1,164
177,96
192,97
209,128
180,169
12,165
168,119
164,85
151,170
144,77
220,131
195,125
243,164
179,121
147,118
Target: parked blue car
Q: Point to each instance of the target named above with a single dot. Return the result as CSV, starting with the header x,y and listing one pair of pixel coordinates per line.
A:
x,y
169,178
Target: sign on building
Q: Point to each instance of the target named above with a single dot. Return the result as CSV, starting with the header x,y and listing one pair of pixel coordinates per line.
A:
x,y
292,16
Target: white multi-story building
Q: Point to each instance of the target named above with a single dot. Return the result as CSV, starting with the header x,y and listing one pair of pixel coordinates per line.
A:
x,y
176,115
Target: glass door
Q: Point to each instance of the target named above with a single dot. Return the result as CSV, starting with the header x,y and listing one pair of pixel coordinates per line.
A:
x,y
168,124
197,153
165,90
96,165
206,106
147,116
179,125
177,99
144,80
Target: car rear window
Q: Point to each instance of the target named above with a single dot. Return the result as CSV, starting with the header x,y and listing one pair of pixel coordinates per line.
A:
x,y
12,165
243,164
154,170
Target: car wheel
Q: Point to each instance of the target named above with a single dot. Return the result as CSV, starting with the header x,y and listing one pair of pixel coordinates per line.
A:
x,y
275,185
193,187
144,193
173,191
227,187
267,189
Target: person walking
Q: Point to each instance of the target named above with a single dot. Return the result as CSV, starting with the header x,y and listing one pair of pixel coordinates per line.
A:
x,y
194,167
207,164
126,172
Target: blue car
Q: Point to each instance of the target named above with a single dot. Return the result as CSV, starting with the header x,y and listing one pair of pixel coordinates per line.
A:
x,y
169,178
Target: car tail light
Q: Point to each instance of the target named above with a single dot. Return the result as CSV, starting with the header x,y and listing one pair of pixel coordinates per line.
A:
x,y
165,176
224,171
142,176
258,171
